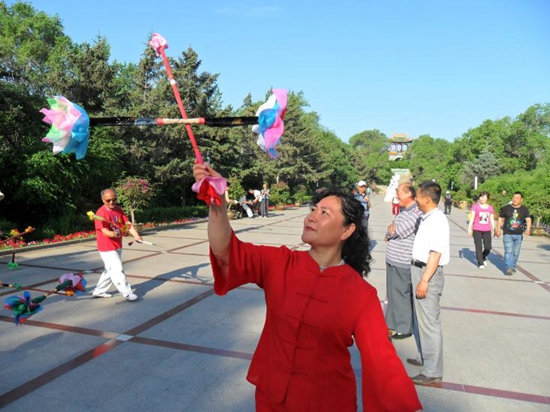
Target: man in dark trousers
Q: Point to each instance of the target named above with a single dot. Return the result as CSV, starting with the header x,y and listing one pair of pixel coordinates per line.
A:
x,y
400,239
448,203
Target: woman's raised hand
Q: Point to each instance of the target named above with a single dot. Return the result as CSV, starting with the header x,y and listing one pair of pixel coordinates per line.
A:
x,y
202,170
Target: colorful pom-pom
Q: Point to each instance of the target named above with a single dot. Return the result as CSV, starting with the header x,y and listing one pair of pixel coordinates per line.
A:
x,y
70,127
78,283
270,125
158,43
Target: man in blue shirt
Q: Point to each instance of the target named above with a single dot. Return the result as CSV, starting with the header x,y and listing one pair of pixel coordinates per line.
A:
x,y
362,196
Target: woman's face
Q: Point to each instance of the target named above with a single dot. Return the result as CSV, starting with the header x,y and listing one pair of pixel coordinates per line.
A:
x,y
483,199
324,225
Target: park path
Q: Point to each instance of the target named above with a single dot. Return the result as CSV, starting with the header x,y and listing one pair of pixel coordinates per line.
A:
x,y
180,347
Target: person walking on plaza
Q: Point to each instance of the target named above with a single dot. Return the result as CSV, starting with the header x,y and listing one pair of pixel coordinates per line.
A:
x,y
515,221
395,208
362,196
448,203
430,253
109,244
317,306
482,228
264,201
400,239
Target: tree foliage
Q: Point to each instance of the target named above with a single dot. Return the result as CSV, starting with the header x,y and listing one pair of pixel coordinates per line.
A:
x,y
38,60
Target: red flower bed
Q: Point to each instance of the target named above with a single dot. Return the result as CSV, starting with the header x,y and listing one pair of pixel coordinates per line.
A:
x,y
18,243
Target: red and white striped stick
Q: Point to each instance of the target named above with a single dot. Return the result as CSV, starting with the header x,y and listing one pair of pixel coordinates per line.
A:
x,y
159,44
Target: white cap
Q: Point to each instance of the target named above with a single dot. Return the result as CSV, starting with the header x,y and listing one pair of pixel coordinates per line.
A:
x,y
361,183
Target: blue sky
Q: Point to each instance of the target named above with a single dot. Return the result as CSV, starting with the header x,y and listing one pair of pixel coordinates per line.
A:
x,y
405,66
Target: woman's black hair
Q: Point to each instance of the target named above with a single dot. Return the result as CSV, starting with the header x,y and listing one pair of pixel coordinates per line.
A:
x,y
356,249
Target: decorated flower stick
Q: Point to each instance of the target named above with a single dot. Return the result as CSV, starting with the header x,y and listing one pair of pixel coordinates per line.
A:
x,y
151,121
14,234
23,307
146,243
12,285
210,188
141,241
159,44
122,229
93,216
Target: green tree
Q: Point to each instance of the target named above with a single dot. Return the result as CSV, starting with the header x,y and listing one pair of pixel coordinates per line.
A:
x,y
33,47
485,166
371,155
429,159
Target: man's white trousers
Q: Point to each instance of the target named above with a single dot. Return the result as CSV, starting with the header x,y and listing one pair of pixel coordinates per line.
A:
x,y
113,274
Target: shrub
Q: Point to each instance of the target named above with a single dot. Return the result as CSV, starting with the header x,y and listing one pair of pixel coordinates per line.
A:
x,y
302,194
61,224
170,214
6,226
279,194
134,194
235,188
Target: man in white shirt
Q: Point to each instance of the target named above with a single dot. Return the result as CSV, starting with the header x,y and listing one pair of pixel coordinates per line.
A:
x,y
430,253
251,202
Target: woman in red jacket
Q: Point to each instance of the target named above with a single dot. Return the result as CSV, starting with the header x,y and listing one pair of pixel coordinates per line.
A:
x,y
318,304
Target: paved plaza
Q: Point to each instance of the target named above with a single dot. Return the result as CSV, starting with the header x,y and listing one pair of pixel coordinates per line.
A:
x,y
180,347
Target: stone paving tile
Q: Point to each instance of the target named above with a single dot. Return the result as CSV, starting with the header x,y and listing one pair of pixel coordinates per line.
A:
x,y
31,351
227,326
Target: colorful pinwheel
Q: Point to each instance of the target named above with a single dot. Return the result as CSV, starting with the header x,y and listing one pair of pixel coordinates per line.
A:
x,y
70,127
270,125
78,283
23,307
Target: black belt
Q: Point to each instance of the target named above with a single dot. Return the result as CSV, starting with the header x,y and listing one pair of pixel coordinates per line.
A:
x,y
418,263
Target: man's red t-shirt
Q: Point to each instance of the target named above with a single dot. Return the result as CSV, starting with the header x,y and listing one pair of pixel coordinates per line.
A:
x,y
111,218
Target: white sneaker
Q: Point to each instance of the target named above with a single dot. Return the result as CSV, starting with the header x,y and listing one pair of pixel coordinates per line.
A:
x,y
102,295
482,266
131,297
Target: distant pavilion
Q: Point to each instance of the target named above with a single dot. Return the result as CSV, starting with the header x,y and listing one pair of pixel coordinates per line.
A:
x,y
398,146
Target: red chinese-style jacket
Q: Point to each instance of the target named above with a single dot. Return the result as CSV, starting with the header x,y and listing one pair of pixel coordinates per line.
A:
x,y
312,318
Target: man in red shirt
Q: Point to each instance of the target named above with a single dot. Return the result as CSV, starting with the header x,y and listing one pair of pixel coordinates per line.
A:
x,y
109,244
